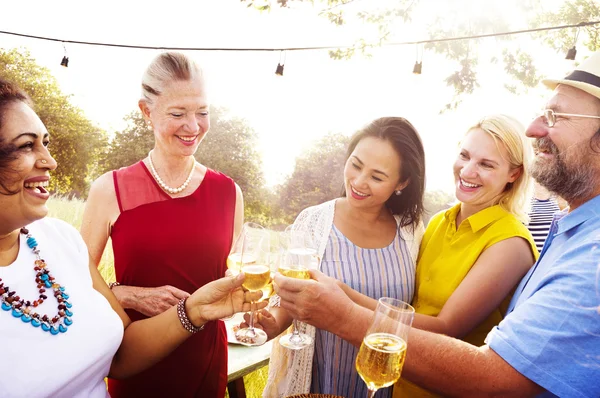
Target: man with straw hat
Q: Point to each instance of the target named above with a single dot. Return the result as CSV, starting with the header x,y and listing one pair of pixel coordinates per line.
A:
x,y
549,342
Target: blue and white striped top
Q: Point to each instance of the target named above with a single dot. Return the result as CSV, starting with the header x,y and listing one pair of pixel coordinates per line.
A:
x,y
385,272
540,218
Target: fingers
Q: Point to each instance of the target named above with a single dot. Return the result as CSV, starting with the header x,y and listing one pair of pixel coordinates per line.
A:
x,y
177,293
289,284
316,274
252,296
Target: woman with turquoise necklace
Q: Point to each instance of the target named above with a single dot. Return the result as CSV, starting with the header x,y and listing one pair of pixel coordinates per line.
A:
x,y
62,330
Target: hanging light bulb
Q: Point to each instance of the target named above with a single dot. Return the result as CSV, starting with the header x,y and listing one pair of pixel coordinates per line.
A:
x,y
417,68
419,62
572,52
279,70
65,59
280,64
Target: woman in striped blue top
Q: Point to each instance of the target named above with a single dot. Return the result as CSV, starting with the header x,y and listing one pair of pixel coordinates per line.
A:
x,y
368,239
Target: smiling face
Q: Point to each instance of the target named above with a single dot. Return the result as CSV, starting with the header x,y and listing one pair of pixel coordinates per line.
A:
x,y
28,174
482,170
179,116
372,173
564,163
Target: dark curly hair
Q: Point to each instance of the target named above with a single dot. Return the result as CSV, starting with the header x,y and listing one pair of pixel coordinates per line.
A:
x,y
405,140
9,93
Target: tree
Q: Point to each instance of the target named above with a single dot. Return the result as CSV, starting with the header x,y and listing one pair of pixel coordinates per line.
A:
x,y
317,176
76,143
449,19
229,147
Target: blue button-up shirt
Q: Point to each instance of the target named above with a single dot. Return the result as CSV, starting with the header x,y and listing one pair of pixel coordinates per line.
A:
x,y
551,333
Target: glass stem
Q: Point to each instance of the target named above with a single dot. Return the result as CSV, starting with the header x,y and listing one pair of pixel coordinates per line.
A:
x,y
371,393
251,324
295,332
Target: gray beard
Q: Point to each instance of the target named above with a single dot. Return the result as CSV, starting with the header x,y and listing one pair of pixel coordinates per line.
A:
x,y
576,183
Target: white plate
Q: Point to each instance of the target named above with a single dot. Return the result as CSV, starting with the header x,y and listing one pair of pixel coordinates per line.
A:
x,y
230,323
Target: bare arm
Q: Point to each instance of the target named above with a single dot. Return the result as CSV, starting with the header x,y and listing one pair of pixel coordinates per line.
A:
x,y
101,212
495,273
434,361
147,341
238,221
455,368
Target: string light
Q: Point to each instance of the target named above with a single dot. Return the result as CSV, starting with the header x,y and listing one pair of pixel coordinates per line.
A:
x,y
419,62
572,53
65,59
403,43
279,70
280,64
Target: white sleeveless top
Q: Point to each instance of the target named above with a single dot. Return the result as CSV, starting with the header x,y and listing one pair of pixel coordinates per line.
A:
x,y
73,364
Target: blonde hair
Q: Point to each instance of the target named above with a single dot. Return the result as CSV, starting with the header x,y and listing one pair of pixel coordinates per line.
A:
x,y
510,133
165,68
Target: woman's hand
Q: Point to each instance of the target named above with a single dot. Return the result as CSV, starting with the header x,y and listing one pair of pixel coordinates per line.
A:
x,y
264,320
221,298
149,301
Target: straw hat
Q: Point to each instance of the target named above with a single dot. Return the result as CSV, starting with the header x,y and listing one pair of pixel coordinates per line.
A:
x,y
586,77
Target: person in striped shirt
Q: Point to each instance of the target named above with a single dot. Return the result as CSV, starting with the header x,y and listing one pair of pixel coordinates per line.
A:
x,y
368,239
543,207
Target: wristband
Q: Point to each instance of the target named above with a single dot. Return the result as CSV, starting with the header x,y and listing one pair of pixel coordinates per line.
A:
x,y
113,284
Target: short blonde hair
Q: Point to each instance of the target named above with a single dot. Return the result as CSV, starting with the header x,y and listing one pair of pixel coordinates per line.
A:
x,y
510,133
165,68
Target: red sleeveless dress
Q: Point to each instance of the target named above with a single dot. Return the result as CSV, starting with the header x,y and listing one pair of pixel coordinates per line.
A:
x,y
184,242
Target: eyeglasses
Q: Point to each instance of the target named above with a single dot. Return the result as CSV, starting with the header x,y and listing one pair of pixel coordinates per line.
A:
x,y
550,116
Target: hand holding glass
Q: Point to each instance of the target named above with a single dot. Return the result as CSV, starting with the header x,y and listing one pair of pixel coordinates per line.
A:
x,y
381,356
254,262
300,257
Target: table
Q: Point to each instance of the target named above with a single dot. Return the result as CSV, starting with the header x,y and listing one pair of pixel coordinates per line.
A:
x,y
243,360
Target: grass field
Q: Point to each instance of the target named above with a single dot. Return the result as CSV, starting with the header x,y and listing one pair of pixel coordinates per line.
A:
x,y
71,211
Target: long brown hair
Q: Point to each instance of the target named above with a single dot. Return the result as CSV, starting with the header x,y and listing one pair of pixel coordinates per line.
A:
x,y
405,140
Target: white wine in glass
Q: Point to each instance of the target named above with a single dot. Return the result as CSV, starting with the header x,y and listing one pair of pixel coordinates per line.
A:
x,y
255,266
381,356
300,258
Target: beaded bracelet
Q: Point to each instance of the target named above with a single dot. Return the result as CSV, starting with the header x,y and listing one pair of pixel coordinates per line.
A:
x,y
113,284
183,318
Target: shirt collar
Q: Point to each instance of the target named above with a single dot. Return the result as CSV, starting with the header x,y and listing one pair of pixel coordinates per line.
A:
x,y
480,219
569,220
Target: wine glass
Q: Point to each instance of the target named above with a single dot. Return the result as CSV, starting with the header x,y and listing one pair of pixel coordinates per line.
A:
x,y
234,259
299,258
381,356
254,263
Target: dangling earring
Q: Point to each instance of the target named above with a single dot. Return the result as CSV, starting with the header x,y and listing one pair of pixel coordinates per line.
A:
x,y
149,124
398,192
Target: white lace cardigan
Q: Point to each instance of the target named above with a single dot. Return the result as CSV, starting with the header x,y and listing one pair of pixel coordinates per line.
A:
x,y
290,371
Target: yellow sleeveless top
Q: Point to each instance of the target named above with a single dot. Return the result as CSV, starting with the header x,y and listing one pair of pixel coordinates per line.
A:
x,y
446,256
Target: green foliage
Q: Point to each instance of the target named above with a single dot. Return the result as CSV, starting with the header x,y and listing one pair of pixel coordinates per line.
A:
x,y
449,19
571,12
436,201
76,143
130,145
317,177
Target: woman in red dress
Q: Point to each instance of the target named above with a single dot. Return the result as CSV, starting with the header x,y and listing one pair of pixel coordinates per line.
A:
x,y
172,222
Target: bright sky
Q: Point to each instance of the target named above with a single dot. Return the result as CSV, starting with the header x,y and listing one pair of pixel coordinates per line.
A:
x,y
316,94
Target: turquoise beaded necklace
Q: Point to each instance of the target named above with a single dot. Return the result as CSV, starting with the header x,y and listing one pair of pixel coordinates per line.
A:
x,y
25,309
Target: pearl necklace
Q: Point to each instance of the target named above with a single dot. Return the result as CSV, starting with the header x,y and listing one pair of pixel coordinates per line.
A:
x,y
162,184
25,309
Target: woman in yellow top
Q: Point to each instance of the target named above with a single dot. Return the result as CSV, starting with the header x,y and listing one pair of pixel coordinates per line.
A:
x,y
473,255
